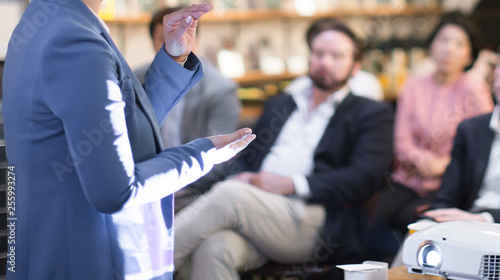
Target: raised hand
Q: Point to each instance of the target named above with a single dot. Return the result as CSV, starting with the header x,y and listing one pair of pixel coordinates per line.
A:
x,y
179,30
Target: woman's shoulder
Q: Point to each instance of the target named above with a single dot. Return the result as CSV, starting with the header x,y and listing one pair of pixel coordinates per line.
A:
x,y
470,81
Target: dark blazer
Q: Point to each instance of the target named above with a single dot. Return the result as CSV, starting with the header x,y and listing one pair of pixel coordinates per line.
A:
x,y
349,162
469,159
84,139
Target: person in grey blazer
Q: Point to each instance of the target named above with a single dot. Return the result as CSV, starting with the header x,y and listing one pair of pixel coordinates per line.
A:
x,y
87,164
211,107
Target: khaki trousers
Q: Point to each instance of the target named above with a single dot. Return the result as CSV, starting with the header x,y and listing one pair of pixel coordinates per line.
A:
x,y
238,227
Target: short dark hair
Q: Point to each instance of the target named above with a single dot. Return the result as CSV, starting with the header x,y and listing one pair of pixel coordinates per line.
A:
x,y
327,24
157,17
457,18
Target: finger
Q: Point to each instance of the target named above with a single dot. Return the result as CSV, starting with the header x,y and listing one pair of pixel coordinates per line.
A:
x,y
444,219
237,135
255,180
437,212
183,27
195,11
221,141
433,214
242,143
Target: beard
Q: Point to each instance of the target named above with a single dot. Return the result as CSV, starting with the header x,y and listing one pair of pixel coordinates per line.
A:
x,y
331,86
328,82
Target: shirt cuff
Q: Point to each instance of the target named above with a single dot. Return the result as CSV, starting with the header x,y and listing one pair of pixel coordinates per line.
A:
x,y
181,63
488,217
301,186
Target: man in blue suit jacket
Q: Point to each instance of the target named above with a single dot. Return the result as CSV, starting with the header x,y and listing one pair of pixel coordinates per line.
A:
x,y
83,141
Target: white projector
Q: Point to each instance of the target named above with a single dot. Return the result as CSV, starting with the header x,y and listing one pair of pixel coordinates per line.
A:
x,y
455,250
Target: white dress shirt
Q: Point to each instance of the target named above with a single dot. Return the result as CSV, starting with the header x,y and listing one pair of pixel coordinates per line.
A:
x,y
292,155
489,195
100,20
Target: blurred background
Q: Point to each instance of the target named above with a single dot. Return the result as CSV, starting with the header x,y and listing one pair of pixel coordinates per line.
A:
x,y
260,44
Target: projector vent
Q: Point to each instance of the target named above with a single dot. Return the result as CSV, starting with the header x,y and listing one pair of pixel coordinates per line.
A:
x,y
490,267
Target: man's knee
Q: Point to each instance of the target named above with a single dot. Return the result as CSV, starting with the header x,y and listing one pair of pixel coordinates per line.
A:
x,y
226,247
230,190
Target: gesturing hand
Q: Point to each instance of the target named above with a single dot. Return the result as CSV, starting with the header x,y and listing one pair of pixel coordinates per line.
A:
x,y
228,145
179,30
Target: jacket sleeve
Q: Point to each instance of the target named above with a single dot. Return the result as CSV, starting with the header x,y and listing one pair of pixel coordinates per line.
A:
x,y
451,192
85,98
165,77
496,215
368,161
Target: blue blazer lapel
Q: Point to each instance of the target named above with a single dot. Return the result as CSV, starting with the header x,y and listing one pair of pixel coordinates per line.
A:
x,y
482,149
141,98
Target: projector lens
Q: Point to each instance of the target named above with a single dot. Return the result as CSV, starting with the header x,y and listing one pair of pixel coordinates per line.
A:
x,y
429,255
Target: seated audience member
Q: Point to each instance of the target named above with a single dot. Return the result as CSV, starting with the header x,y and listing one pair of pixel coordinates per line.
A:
x,y
211,107
471,183
470,190
320,155
429,110
362,83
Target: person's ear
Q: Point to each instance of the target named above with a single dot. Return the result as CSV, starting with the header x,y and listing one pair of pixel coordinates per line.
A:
x,y
355,68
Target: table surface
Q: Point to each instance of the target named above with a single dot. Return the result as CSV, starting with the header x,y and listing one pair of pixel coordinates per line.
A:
x,y
401,273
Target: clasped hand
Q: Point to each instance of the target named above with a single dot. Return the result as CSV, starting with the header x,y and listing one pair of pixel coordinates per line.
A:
x,y
269,182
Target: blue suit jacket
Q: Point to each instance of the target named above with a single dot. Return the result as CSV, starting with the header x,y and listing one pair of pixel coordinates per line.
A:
x,y
464,176
84,139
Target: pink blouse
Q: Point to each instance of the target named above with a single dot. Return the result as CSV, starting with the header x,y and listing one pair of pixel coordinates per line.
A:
x,y
427,117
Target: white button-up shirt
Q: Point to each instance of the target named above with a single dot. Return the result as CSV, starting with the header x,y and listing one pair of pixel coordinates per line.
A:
x,y
489,195
292,155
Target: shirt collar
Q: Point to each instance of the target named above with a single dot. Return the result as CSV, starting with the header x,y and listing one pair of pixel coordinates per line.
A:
x,y
340,95
333,99
495,119
104,25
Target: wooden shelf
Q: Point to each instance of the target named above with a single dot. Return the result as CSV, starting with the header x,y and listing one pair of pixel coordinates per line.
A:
x,y
138,19
257,15
254,77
